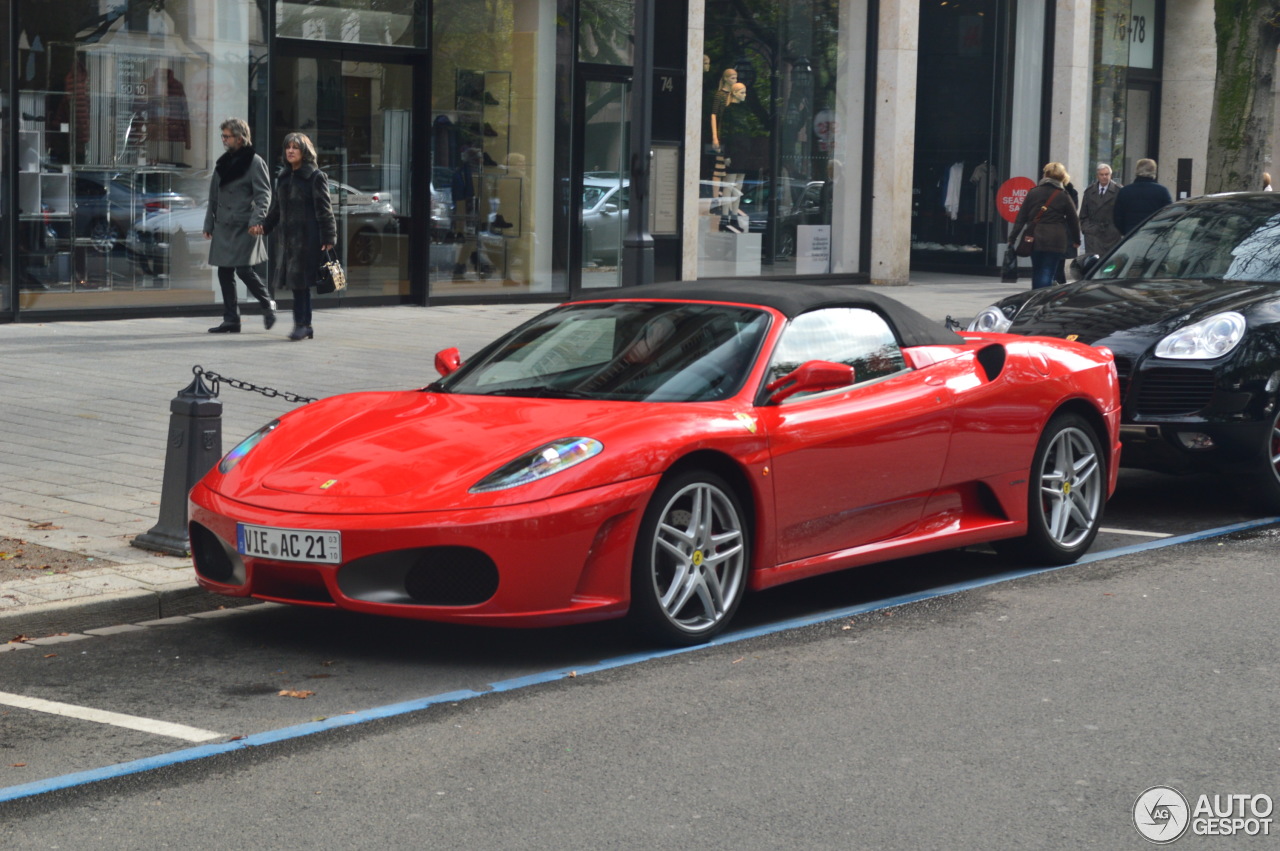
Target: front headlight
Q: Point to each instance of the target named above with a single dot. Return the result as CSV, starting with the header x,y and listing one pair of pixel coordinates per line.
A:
x,y
542,462
991,320
232,458
1208,338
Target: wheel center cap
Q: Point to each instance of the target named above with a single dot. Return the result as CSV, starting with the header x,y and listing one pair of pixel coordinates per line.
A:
x,y
697,558
1066,488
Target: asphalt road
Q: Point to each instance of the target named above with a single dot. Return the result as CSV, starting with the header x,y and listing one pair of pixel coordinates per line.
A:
x,y
1029,713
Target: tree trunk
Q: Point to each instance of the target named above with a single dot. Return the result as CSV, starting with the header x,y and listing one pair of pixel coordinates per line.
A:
x,y
1243,103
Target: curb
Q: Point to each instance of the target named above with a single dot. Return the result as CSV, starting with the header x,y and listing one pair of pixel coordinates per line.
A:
x,y
111,609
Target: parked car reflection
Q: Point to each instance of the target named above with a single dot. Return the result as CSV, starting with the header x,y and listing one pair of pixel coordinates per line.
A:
x,y
106,203
364,220
605,200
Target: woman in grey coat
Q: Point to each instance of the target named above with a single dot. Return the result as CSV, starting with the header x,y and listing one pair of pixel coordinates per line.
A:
x,y
239,196
303,211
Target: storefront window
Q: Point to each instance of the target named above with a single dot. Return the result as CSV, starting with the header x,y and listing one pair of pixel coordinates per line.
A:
x,y
958,162
604,31
492,146
772,91
1124,43
118,118
350,21
6,111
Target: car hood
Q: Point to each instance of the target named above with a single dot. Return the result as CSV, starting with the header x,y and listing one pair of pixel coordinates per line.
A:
x,y
413,451
1131,316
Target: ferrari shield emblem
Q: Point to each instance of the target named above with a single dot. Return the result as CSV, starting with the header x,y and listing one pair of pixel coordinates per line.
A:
x,y
1071,338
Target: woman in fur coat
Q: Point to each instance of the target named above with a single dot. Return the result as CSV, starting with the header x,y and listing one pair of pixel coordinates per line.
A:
x,y
301,208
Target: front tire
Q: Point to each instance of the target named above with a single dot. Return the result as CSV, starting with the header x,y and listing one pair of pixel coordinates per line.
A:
x,y
1067,494
690,566
1266,481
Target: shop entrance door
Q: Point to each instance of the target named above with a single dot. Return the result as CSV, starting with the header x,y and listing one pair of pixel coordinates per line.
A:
x,y
605,108
357,110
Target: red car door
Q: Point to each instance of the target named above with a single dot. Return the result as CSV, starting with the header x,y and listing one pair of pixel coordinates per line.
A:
x,y
855,465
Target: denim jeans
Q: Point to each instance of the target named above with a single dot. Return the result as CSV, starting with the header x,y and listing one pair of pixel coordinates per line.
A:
x,y
1043,266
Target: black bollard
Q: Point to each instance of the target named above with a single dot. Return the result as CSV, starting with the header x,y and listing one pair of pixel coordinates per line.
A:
x,y
195,445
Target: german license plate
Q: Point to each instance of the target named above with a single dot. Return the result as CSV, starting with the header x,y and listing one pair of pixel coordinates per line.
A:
x,y
310,545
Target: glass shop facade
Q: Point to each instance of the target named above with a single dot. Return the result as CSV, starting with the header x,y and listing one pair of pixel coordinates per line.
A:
x,y
477,150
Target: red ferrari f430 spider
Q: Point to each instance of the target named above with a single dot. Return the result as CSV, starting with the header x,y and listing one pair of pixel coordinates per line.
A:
x,y
658,452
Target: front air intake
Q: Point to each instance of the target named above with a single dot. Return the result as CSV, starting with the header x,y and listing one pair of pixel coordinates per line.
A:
x,y
425,576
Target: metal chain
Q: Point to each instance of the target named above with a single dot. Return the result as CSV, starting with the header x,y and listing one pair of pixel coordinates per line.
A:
x,y
269,392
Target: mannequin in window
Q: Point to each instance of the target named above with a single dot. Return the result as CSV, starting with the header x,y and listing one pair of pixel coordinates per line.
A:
x,y
734,145
466,179
713,159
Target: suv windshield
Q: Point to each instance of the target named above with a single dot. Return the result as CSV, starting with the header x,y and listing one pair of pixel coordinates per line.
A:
x,y
1230,237
629,351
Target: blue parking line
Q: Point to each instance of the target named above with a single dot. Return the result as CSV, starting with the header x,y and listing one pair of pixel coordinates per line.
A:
x,y
137,766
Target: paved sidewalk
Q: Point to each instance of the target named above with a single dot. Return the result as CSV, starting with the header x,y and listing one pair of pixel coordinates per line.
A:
x,y
85,419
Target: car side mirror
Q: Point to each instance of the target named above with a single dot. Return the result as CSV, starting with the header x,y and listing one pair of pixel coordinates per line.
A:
x,y
609,208
1089,263
810,377
448,361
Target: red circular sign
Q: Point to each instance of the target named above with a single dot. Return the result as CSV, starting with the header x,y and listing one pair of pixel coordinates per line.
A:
x,y
1011,195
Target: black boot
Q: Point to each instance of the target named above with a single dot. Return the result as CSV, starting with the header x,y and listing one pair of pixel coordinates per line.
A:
x,y
225,328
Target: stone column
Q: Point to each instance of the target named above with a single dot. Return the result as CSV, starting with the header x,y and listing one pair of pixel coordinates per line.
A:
x,y
1186,95
895,141
1071,98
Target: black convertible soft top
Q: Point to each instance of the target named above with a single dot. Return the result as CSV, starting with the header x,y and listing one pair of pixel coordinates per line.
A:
x,y
792,299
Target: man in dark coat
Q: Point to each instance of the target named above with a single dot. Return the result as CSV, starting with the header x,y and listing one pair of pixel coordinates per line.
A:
x,y
239,196
1141,198
1097,213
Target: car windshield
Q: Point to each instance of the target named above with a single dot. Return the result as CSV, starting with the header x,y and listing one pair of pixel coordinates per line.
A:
x,y
627,351
1234,238
591,195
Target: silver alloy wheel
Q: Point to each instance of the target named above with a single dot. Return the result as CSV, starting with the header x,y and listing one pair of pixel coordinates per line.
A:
x,y
1273,445
1071,487
698,557
103,236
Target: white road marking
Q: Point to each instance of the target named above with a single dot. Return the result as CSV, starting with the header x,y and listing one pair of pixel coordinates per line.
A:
x,y
131,722
1136,532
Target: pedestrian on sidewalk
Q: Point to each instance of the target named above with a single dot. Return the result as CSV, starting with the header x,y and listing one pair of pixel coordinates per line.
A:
x,y
239,196
1049,214
303,211
1141,198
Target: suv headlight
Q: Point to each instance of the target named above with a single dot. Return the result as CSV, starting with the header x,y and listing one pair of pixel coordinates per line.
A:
x,y
1206,339
991,320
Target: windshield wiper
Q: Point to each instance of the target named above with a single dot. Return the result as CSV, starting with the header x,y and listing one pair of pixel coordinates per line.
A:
x,y
539,393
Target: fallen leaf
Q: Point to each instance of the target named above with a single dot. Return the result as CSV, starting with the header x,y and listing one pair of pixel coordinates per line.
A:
x,y
17,765
296,693
50,655
7,556
18,639
45,525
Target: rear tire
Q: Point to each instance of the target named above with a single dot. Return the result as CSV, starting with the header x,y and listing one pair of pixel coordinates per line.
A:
x,y
1067,494
690,566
